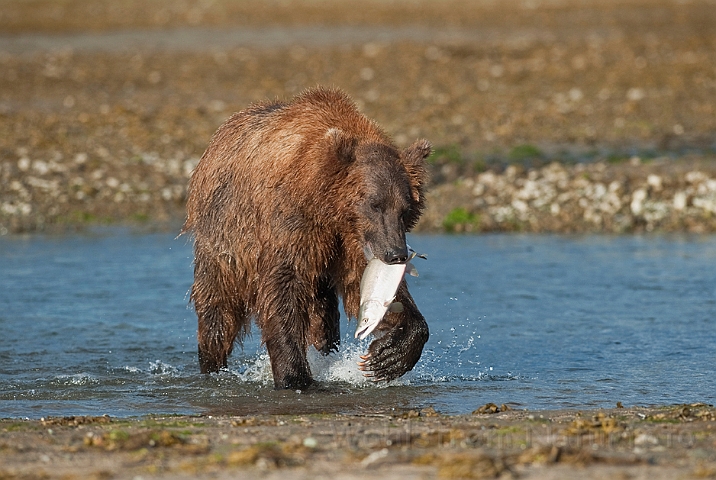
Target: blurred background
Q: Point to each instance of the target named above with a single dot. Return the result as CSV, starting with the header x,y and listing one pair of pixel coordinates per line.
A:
x,y
106,107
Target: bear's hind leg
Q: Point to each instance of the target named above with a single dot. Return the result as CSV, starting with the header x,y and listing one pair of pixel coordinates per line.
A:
x,y
218,328
221,314
325,329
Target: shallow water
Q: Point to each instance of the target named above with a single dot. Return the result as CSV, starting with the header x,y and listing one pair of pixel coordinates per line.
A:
x,y
99,324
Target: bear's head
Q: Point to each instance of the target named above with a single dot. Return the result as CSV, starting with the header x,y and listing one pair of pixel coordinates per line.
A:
x,y
390,185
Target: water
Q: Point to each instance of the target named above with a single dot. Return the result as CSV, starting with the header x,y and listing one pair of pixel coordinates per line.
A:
x,y
99,324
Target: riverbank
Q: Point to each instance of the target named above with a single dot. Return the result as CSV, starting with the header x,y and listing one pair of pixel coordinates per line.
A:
x,y
105,110
657,442
628,196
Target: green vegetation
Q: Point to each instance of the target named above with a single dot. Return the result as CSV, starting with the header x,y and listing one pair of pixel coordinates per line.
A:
x,y
81,217
459,220
524,152
446,154
167,423
19,426
512,429
118,435
615,158
479,165
662,420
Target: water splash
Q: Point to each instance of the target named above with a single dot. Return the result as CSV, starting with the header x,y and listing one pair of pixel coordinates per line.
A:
x,y
339,367
75,380
160,368
440,363
452,357
342,367
255,369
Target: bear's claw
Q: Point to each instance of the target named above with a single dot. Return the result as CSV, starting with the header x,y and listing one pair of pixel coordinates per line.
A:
x,y
385,366
390,369
395,353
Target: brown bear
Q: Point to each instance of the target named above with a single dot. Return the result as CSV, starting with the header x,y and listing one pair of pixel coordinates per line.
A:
x,y
282,206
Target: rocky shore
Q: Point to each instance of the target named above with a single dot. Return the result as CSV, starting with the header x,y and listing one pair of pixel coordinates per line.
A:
x,y
632,196
494,442
105,109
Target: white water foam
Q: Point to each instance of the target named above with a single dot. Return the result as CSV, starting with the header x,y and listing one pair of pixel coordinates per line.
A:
x,y
160,368
338,367
341,366
76,379
255,369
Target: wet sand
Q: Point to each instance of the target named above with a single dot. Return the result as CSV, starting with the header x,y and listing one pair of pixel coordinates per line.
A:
x,y
654,443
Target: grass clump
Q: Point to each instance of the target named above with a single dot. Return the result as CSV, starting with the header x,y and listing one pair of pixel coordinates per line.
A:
x,y
524,152
460,220
446,154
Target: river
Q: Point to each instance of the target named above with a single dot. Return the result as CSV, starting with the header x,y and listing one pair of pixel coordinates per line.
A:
x,y
99,323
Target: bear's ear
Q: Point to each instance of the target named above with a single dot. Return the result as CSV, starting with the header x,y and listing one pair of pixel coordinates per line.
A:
x,y
418,151
343,145
413,159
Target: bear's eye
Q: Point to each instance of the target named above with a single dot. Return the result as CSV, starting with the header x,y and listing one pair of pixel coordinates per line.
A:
x,y
405,216
376,207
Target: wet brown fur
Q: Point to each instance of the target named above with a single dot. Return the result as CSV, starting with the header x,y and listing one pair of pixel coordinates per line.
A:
x,y
277,208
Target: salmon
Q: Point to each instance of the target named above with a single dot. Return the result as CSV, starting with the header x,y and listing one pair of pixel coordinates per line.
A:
x,y
378,286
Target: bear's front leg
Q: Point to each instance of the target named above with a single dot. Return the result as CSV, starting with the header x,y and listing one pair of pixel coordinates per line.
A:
x,y
284,322
325,318
288,364
399,347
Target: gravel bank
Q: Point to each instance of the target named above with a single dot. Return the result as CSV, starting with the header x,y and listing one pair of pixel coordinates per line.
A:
x,y
645,443
633,196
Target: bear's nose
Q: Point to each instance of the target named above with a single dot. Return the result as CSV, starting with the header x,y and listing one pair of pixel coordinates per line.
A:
x,y
396,256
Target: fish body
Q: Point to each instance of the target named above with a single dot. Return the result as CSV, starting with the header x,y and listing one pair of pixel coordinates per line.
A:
x,y
378,286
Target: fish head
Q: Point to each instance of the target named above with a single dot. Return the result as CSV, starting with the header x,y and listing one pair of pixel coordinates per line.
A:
x,y
371,313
